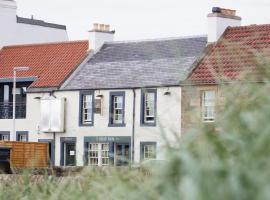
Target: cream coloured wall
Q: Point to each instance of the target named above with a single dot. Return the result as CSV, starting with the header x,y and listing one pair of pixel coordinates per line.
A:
x,y
168,121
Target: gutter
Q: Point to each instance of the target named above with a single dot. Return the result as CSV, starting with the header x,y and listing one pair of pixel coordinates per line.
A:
x,y
133,126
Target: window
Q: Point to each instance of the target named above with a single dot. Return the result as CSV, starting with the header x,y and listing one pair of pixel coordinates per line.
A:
x,y
93,154
22,136
98,154
98,103
86,108
149,99
148,150
117,107
208,105
4,136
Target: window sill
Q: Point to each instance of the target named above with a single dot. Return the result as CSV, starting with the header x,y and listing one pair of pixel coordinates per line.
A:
x,y
85,125
148,124
116,125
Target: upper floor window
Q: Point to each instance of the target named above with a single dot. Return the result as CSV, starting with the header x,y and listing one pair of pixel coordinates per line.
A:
x,y
149,104
117,108
86,108
208,105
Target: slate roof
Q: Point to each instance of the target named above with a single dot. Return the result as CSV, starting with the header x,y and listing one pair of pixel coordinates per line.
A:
x,y
137,64
50,63
242,53
36,22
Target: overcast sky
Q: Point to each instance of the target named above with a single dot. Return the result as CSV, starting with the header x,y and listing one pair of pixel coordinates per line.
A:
x,y
140,19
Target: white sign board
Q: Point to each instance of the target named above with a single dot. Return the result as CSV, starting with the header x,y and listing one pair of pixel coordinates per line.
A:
x,y
52,115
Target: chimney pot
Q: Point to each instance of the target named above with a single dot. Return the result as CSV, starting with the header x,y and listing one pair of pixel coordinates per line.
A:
x,y
102,27
107,27
95,26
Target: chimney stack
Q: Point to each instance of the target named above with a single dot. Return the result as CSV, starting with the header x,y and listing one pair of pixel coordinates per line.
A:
x,y
99,34
219,20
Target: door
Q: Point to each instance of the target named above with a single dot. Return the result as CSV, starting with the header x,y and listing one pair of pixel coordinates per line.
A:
x,y
122,154
70,154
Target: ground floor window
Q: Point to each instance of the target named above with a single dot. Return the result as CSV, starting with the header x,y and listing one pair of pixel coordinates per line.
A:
x,y
99,154
148,150
106,154
22,136
4,136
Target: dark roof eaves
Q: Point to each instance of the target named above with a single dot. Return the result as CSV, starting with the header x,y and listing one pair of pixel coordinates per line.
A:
x,y
35,22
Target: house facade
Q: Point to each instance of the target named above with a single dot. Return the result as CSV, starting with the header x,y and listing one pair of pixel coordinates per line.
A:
x,y
49,65
241,55
121,104
31,30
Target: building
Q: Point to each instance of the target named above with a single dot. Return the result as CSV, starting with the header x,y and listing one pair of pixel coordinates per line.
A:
x,y
120,104
239,55
123,102
49,65
17,30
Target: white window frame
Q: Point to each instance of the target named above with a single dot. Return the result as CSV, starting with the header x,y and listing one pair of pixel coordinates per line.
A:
x,y
208,101
99,154
22,138
87,109
149,107
4,137
118,109
149,149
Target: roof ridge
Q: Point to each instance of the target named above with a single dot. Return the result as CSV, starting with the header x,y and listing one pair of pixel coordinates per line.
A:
x,y
44,44
248,26
157,39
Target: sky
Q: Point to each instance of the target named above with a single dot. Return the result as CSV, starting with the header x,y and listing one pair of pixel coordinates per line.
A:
x,y
140,19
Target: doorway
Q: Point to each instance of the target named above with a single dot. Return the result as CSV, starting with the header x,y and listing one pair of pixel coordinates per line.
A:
x,y
69,154
122,154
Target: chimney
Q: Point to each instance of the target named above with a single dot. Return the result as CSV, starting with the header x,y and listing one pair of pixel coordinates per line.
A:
x,y
99,34
219,20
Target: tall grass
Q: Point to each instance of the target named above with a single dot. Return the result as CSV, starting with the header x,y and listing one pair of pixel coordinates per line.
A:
x,y
223,161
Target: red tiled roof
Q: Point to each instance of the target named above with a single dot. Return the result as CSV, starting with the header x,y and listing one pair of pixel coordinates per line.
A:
x,y
240,53
51,63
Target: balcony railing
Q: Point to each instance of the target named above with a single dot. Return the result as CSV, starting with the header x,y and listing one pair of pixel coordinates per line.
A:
x,y
6,110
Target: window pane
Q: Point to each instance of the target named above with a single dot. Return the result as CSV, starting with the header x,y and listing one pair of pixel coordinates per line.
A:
x,y
208,105
149,107
149,152
118,109
87,108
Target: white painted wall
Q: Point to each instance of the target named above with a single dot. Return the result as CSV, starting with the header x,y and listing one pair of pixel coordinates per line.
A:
x,y
97,38
217,25
168,122
13,33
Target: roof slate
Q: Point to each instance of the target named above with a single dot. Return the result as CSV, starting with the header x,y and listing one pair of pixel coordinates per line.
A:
x,y
241,53
137,64
36,22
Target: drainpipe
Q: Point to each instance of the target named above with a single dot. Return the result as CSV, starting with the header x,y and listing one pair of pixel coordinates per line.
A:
x,y
133,125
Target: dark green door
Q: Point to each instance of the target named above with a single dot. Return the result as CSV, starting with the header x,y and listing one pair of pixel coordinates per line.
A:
x,y
70,154
122,154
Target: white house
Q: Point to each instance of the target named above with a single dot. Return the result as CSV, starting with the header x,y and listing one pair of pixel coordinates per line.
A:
x,y
122,103
18,30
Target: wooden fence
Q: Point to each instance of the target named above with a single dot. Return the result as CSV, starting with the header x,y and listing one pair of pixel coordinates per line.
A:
x,y
27,154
